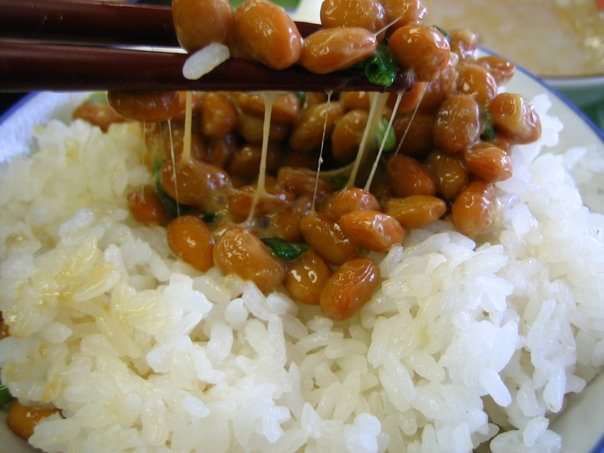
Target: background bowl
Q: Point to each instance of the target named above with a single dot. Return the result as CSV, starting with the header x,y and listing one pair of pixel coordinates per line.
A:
x,y
561,41
583,91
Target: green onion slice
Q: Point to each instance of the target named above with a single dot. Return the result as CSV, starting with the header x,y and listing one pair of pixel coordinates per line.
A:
x,y
442,31
285,250
381,68
488,134
301,95
338,181
5,396
173,207
390,142
209,217
100,97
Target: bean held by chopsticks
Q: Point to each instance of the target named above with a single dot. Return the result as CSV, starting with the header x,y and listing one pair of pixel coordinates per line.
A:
x,y
52,65
93,22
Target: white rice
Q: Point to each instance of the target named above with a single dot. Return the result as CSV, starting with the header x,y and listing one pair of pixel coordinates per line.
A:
x,y
463,342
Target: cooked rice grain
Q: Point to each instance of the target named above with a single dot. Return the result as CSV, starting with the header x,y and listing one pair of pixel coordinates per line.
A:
x,y
143,354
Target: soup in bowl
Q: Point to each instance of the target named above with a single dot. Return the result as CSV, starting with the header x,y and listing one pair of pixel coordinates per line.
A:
x,y
560,40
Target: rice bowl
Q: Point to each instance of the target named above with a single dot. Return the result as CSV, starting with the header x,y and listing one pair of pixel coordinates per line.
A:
x,y
513,322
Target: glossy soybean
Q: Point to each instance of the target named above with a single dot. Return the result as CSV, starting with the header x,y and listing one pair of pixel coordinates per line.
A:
x,y
474,209
190,239
416,210
145,105
201,22
333,49
349,288
420,48
306,276
373,230
326,237
240,252
264,32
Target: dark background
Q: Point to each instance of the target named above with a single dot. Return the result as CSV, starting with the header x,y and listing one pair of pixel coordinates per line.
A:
x,y
8,99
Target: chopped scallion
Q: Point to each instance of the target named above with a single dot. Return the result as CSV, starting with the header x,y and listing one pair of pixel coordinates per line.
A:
x,y
285,250
390,142
5,396
156,167
209,217
442,31
381,68
98,97
488,133
338,181
301,95
173,207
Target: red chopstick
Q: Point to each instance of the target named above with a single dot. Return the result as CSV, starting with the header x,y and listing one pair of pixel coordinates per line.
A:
x,y
48,59
31,67
88,21
93,22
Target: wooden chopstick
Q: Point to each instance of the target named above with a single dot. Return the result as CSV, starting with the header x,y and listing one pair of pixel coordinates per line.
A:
x,y
94,22
54,65
88,21
32,66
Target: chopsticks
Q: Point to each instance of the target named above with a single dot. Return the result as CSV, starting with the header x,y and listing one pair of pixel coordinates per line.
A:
x,y
41,49
89,22
31,67
93,22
